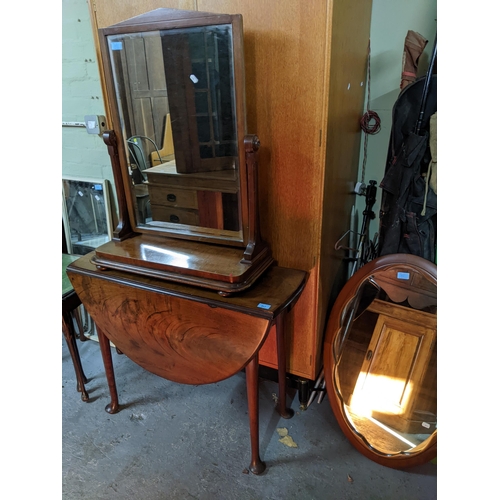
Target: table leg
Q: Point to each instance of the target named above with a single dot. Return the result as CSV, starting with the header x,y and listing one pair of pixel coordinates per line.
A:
x,y
104,344
79,322
280,344
69,335
252,376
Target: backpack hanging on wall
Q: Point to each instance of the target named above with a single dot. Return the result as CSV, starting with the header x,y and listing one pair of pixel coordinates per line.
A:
x,y
408,213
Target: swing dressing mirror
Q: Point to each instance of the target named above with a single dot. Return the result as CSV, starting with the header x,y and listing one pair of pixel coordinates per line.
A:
x,y
184,167
180,111
381,357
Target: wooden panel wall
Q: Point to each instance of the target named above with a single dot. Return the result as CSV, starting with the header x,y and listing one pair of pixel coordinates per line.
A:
x,y
288,54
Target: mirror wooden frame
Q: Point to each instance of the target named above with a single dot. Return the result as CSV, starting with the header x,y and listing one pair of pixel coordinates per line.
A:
x,y
427,450
166,19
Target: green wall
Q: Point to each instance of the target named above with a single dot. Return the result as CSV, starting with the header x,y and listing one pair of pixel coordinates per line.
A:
x,y
83,154
391,20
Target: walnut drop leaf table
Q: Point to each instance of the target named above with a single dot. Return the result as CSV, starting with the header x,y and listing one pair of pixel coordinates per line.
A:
x,y
188,334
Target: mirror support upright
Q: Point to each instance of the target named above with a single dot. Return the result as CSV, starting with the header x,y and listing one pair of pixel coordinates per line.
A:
x,y
123,229
256,248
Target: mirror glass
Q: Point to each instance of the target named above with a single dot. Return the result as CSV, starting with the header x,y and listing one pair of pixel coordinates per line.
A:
x,y
86,214
384,360
175,92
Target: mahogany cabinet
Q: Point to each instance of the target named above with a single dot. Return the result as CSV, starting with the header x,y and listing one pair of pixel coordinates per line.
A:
x,y
305,68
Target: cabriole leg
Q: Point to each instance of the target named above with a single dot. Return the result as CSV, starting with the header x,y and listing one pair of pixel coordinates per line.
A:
x,y
104,344
252,376
69,335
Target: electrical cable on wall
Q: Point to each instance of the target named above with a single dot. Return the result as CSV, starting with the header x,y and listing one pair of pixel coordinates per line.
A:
x,y
370,121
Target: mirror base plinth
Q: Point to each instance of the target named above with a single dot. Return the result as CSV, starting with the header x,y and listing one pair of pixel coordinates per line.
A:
x,y
193,263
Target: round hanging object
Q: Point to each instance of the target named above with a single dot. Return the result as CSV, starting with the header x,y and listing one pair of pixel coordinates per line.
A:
x,y
380,360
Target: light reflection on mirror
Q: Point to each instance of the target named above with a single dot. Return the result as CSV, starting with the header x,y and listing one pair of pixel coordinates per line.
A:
x,y
178,259
374,393
385,368
176,99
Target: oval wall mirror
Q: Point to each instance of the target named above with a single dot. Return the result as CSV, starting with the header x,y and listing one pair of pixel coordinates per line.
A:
x,y
380,360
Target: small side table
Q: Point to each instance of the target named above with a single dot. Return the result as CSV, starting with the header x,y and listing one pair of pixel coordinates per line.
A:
x,y
70,302
187,334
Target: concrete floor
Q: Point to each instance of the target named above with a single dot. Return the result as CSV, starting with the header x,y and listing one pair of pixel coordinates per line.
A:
x,y
172,441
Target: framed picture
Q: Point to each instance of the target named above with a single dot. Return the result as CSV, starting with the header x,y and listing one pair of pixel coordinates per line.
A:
x,y
86,212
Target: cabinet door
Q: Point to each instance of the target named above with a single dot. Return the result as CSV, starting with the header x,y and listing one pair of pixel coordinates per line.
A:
x,y
394,368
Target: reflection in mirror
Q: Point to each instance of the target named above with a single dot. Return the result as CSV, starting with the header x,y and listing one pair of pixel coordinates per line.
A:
x,y
86,214
176,100
384,360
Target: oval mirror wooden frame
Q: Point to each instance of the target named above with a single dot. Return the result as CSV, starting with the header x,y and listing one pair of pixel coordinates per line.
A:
x,y
427,450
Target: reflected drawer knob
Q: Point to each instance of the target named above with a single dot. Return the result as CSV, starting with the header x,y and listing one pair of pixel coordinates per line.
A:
x,y
174,218
171,197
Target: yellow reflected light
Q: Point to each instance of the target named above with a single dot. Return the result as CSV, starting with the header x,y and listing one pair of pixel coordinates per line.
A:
x,y
380,393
